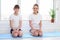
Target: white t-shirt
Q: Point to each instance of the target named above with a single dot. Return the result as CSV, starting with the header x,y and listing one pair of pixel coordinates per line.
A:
x,y
15,20
35,20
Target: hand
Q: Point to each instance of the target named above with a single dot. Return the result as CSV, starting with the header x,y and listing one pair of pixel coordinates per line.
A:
x,y
33,28
40,30
16,31
14,28
18,28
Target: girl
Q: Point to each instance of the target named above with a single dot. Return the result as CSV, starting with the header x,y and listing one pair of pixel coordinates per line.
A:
x,y
35,22
16,22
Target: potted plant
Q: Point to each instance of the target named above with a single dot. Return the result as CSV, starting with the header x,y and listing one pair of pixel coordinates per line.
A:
x,y
52,14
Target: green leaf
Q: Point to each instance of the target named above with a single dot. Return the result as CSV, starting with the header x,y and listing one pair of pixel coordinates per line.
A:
x,y
52,13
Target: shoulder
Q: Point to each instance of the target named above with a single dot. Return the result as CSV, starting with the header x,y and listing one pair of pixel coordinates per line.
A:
x,y
31,15
39,14
11,15
19,15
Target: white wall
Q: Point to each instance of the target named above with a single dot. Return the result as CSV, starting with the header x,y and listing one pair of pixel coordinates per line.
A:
x,y
7,8
58,10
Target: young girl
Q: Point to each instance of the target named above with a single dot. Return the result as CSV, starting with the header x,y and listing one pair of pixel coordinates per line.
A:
x,y
35,22
16,22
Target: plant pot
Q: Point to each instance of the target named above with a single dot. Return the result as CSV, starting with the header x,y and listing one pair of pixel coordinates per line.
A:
x,y
52,20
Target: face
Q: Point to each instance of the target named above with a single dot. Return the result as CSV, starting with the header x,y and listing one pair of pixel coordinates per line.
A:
x,y
16,10
35,9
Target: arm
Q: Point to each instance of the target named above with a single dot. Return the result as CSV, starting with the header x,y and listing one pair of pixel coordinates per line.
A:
x,y
40,25
11,24
31,25
20,24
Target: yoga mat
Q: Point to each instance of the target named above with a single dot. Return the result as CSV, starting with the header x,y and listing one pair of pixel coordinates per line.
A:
x,y
28,35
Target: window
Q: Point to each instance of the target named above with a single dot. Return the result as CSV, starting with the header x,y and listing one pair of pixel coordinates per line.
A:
x,y
45,6
7,8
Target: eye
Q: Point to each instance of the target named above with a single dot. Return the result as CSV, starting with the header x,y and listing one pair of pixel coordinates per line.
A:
x,y
35,8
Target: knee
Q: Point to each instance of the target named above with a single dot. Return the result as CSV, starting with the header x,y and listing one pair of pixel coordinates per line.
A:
x,y
36,34
20,33
40,33
32,31
15,34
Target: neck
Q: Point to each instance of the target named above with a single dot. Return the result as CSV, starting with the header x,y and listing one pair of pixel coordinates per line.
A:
x,y
16,14
35,13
